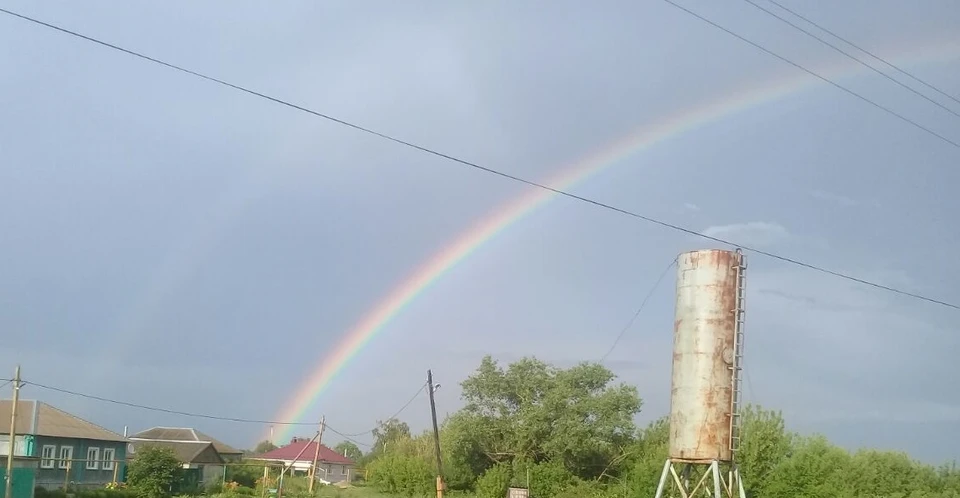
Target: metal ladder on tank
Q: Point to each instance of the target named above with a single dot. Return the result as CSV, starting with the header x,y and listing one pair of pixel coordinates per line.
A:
x,y
737,367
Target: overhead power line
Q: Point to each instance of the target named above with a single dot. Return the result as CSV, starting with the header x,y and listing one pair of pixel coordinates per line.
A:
x,y
850,56
164,410
211,417
877,57
817,75
639,310
547,187
395,415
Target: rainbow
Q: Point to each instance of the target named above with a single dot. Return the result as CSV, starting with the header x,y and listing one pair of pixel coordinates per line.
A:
x,y
465,244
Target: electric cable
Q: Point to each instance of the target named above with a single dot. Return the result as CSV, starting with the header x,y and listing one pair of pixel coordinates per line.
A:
x,y
164,410
561,192
871,54
208,416
850,56
639,310
817,75
395,415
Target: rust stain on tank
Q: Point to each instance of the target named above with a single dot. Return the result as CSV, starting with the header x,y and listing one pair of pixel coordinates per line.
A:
x,y
704,328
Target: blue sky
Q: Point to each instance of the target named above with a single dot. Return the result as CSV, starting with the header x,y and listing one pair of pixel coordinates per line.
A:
x,y
171,242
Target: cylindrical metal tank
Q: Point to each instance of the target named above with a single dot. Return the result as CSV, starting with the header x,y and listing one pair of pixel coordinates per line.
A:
x,y
703,354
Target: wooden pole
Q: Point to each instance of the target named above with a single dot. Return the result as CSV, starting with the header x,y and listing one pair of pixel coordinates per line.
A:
x,y
286,467
66,475
266,477
316,455
8,485
436,435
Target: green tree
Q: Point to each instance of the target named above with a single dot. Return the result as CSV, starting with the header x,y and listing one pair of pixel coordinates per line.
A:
x,y
154,471
766,443
389,431
646,458
349,450
537,412
263,447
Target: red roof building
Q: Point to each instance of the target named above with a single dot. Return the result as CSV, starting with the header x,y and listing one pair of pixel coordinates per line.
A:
x,y
331,466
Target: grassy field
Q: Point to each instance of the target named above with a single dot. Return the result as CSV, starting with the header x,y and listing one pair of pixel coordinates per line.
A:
x,y
297,488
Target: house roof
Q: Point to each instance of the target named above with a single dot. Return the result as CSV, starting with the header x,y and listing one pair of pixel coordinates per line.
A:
x,y
40,419
308,449
186,451
184,434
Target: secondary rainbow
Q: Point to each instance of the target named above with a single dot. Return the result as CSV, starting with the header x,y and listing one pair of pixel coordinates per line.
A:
x,y
467,242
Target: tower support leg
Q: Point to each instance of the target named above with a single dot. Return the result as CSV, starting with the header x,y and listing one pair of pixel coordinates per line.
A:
x,y
703,474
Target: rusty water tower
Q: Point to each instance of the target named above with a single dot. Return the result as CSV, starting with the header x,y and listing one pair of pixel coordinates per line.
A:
x,y
705,391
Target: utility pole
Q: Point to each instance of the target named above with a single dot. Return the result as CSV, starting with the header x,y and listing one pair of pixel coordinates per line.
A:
x,y
294,462
436,434
8,485
316,454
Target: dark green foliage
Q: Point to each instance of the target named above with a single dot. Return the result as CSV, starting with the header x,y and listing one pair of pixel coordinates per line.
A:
x,y
40,492
244,475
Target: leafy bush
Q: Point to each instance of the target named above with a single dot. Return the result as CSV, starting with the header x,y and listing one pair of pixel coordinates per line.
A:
x,y
243,491
583,489
106,493
153,472
546,478
401,475
494,482
41,492
245,475
118,492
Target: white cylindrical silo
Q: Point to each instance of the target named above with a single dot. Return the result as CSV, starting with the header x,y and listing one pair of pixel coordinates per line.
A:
x,y
704,354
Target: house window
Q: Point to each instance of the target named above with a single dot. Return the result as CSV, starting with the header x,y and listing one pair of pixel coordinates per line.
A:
x,y
109,454
93,458
343,470
47,454
66,454
19,447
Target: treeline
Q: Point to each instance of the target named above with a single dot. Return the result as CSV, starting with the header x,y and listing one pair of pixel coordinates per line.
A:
x,y
571,433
